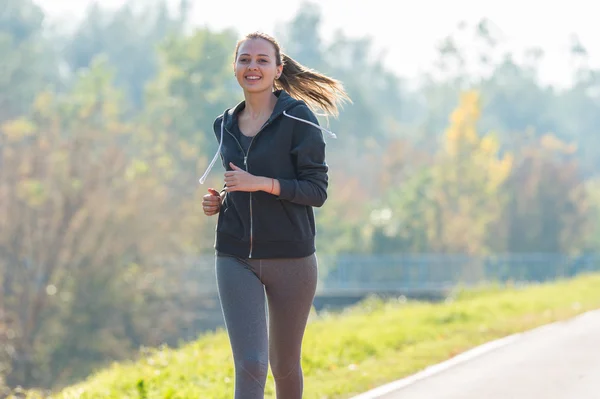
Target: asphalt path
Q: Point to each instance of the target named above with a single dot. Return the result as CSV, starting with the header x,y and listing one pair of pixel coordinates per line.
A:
x,y
557,361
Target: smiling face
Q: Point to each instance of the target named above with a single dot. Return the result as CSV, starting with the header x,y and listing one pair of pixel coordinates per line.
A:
x,y
256,65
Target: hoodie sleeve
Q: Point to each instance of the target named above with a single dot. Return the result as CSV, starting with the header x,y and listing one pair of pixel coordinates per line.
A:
x,y
308,153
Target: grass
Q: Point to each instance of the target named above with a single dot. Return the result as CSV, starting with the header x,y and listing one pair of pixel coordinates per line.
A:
x,y
348,353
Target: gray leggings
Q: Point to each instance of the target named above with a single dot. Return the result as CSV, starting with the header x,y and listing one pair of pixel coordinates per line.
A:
x,y
290,286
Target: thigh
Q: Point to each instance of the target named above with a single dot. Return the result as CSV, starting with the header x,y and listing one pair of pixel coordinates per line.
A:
x,y
290,287
242,299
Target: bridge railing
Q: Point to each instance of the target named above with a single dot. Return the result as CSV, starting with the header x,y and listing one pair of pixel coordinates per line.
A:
x,y
430,272
412,272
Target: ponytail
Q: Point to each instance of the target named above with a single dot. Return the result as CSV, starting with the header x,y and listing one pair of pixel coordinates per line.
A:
x,y
314,88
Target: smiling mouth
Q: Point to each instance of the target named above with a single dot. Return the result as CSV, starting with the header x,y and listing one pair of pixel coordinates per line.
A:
x,y
253,78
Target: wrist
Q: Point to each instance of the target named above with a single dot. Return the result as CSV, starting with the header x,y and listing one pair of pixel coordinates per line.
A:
x,y
268,185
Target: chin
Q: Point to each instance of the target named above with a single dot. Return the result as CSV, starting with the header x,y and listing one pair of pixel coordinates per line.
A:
x,y
257,89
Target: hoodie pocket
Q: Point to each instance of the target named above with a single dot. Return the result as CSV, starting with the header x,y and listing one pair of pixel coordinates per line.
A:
x,y
280,220
232,216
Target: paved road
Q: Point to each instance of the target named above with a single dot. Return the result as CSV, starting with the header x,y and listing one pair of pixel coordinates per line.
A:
x,y
559,361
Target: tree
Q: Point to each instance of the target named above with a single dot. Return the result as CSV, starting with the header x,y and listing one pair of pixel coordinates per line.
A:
x,y
129,40
400,217
84,224
468,176
195,84
301,37
27,58
446,203
548,209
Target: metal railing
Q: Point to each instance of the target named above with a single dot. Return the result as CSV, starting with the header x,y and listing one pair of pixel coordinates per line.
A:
x,y
431,272
416,272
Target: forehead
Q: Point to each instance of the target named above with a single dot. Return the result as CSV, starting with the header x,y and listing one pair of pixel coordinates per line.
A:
x,y
257,46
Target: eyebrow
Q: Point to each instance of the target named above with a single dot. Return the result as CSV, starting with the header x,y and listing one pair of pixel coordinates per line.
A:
x,y
260,55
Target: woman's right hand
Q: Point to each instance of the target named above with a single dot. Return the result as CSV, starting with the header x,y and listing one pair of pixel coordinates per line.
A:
x,y
211,203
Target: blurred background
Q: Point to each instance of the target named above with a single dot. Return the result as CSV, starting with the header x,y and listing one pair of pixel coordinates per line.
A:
x,y
471,153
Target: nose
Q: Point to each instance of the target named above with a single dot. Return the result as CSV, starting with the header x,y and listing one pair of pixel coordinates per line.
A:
x,y
252,65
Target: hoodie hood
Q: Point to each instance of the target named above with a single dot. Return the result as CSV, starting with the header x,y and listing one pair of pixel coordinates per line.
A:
x,y
284,103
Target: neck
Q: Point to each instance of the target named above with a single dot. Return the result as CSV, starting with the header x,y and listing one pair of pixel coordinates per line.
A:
x,y
259,104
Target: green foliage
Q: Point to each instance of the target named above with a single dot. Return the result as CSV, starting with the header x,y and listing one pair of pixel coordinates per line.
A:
x,y
345,354
403,220
193,87
128,39
450,204
26,58
77,224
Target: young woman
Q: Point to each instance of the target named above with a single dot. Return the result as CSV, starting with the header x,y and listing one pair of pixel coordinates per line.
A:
x,y
273,152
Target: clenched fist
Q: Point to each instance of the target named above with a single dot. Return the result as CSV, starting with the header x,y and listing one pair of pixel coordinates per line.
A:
x,y
211,202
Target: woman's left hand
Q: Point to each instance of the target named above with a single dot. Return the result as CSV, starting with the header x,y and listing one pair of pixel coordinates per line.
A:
x,y
240,180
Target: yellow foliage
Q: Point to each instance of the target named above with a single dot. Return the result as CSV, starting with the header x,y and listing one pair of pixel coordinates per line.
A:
x,y
17,129
469,177
465,145
43,103
488,145
462,131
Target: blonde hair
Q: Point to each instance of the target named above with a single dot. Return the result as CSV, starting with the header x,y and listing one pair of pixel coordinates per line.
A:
x,y
302,83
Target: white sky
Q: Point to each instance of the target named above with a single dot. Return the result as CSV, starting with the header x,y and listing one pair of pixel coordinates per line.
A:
x,y
407,31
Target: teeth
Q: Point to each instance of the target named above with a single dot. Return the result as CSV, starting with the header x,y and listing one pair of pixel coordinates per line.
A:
x,y
253,77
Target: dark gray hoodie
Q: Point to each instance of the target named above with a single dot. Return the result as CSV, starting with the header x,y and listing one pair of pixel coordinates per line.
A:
x,y
290,148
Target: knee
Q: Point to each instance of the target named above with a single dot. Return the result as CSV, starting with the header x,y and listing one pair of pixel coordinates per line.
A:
x,y
285,369
256,368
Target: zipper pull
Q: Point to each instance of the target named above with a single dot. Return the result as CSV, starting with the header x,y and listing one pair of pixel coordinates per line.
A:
x,y
246,160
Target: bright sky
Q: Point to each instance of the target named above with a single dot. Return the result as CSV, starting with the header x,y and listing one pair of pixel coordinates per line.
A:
x,y
407,31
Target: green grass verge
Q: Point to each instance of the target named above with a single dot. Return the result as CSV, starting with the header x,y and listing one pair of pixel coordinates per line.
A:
x,y
359,349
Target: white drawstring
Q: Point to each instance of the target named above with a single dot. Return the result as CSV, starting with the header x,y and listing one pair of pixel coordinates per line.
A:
x,y
210,166
312,124
212,163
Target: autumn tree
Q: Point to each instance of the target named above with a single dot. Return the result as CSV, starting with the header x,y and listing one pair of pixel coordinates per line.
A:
x,y
549,203
86,217
468,176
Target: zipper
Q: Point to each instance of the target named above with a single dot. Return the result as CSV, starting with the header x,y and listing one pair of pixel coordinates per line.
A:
x,y
251,218
247,170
